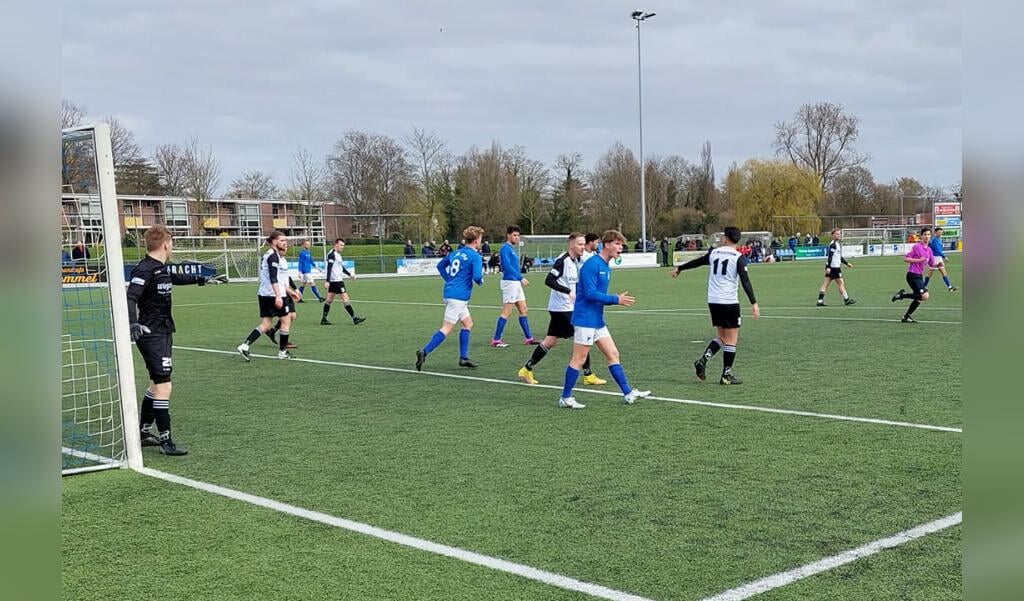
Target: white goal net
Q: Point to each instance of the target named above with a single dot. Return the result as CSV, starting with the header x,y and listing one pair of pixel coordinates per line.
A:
x,y
98,413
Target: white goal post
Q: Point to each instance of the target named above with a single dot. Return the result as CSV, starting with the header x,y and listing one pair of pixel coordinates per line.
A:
x,y
99,415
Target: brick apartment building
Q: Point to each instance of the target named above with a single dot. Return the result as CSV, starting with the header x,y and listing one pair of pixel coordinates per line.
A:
x,y
215,217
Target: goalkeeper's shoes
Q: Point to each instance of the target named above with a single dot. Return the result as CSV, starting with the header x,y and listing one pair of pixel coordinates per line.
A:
x,y
635,394
570,403
466,362
849,301
700,366
284,354
244,350
729,380
908,319
358,320
526,376
148,439
167,447
593,380
898,295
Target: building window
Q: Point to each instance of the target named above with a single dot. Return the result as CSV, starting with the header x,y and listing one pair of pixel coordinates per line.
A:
x,y
177,214
249,219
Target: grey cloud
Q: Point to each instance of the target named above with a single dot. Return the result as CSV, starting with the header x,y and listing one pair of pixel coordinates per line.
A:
x,y
257,80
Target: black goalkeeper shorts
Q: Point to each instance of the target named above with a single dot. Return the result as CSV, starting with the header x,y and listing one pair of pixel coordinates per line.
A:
x,y
156,352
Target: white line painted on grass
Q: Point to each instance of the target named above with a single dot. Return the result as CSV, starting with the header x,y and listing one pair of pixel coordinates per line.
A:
x,y
494,563
683,312
829,563
847,418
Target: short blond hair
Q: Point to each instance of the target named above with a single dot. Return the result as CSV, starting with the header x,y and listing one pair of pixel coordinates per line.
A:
x,y
156,236
612,236
472,233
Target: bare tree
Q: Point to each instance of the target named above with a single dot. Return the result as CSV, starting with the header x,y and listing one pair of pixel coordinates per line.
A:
x,y
202,171
171,169
370,173
254,184
531,180
308,183
851,192
202,176
429,154
122,143
820,138
705,179
615,182
570,196
71,115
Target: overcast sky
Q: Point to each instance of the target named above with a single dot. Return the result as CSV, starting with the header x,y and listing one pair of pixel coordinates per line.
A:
x,y
255,80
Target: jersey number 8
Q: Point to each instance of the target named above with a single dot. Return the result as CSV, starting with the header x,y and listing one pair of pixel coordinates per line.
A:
x,y
453,267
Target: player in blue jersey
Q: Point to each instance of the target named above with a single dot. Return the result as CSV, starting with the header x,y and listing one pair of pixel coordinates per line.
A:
x,y
512,284
306,272
939,261
588,321
460,269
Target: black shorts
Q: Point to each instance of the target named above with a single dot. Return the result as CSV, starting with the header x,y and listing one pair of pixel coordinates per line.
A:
x,y
560,325
336,287
267,308
725,316
916,283
836,273
156,352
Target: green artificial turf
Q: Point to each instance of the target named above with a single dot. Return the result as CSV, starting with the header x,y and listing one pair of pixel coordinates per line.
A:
x,y
662,499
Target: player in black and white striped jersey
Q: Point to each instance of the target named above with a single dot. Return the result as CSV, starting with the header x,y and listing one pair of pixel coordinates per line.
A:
x,y
833,269
276,295
728,272
336,273
562,280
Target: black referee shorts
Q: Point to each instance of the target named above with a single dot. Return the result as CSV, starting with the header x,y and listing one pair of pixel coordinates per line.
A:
x,y
156,352
916,283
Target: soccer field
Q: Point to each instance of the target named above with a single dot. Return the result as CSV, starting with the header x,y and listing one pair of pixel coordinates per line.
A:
x,y
846,431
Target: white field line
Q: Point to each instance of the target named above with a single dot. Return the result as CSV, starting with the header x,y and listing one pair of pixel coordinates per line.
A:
x,y
784,578
847,418
494,563
687,312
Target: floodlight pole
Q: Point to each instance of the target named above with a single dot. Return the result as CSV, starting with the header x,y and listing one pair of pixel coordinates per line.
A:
x,y
640,16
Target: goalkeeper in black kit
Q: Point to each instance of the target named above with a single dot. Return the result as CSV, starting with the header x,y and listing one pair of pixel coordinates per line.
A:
x,y
149,314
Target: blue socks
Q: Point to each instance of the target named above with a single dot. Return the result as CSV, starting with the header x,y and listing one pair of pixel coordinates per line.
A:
x,y
463,344
501,328
525,324
571,375
620,377
945,278
435,341
926,280
316,293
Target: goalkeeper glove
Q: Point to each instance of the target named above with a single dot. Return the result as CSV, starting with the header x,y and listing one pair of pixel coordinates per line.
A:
x,y
138,331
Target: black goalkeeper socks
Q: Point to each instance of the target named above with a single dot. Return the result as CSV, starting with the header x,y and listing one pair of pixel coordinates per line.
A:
x,y
146,414
913,307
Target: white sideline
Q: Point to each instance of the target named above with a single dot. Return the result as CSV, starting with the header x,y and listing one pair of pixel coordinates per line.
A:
x,y
405,540
867,420
784,578
683,312
736,594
